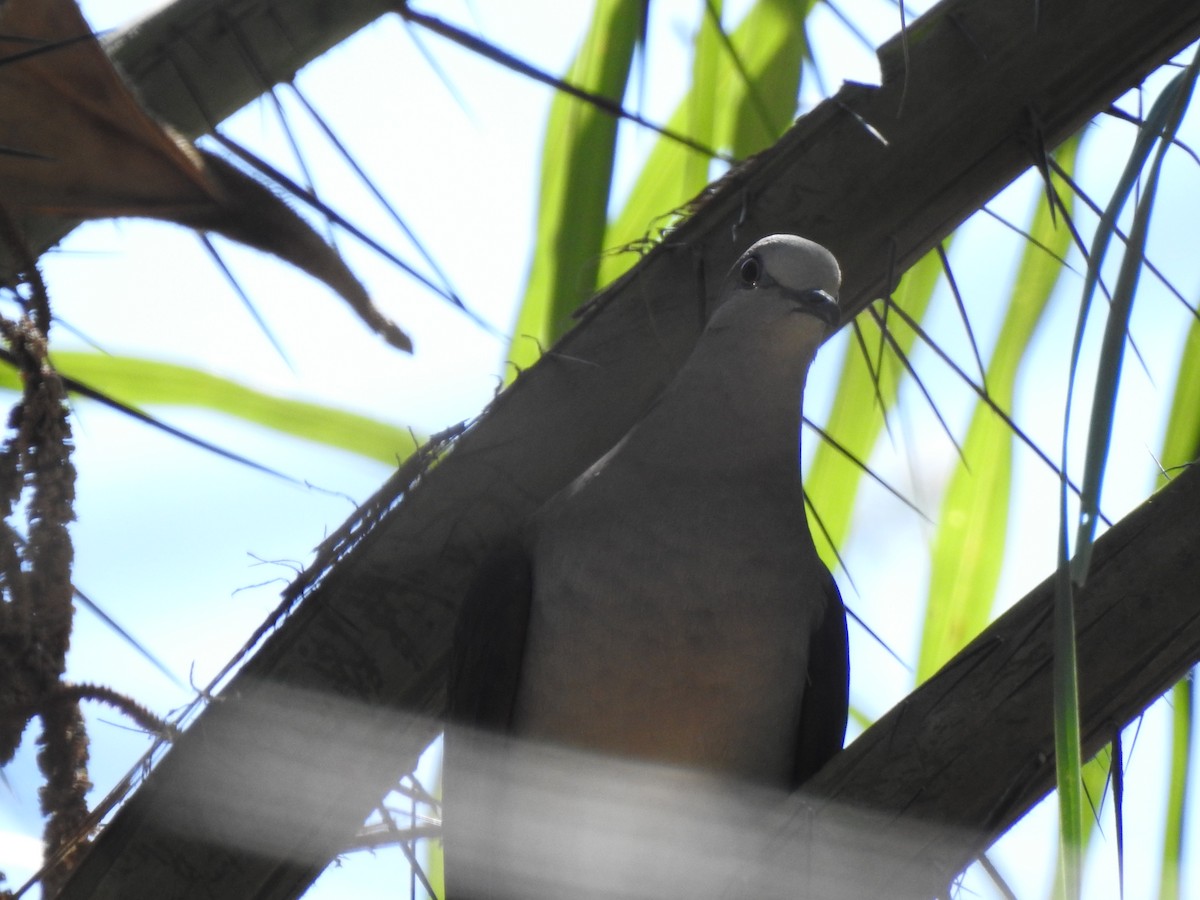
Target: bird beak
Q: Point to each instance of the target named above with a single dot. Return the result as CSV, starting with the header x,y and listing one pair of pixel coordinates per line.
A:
x,y
818,303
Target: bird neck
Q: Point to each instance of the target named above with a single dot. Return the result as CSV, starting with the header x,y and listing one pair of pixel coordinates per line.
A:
x,y
734,408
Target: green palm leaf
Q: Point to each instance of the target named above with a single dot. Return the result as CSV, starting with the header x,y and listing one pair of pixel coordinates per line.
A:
x,y
142,382
969,547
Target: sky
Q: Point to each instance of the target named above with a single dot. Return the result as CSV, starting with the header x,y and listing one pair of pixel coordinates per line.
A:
x,y
189,552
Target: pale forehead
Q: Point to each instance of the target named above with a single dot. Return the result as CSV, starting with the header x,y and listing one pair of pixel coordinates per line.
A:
x,y
798,263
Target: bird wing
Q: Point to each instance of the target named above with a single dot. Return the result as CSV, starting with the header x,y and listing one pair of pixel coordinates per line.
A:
x,y
489,640
827,690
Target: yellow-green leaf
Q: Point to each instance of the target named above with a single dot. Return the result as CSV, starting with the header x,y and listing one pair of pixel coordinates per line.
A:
x,y
742,98
968,549
143,382
576,179
865,392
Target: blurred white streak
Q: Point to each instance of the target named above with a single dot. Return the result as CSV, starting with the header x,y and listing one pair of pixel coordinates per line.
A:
x,y
291,774
530,821
285,773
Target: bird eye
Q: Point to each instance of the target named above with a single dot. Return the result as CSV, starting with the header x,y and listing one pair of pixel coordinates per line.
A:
x,y
751,271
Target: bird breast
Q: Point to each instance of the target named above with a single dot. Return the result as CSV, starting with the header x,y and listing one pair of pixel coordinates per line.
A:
x,y
694,650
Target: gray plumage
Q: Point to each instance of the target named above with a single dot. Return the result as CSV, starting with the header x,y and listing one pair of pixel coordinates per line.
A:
x,y
669,604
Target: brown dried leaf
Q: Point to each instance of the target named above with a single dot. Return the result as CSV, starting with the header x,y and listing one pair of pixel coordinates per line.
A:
x,y
75,142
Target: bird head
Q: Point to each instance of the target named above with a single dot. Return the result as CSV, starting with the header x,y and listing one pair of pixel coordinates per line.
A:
x,y
781,275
